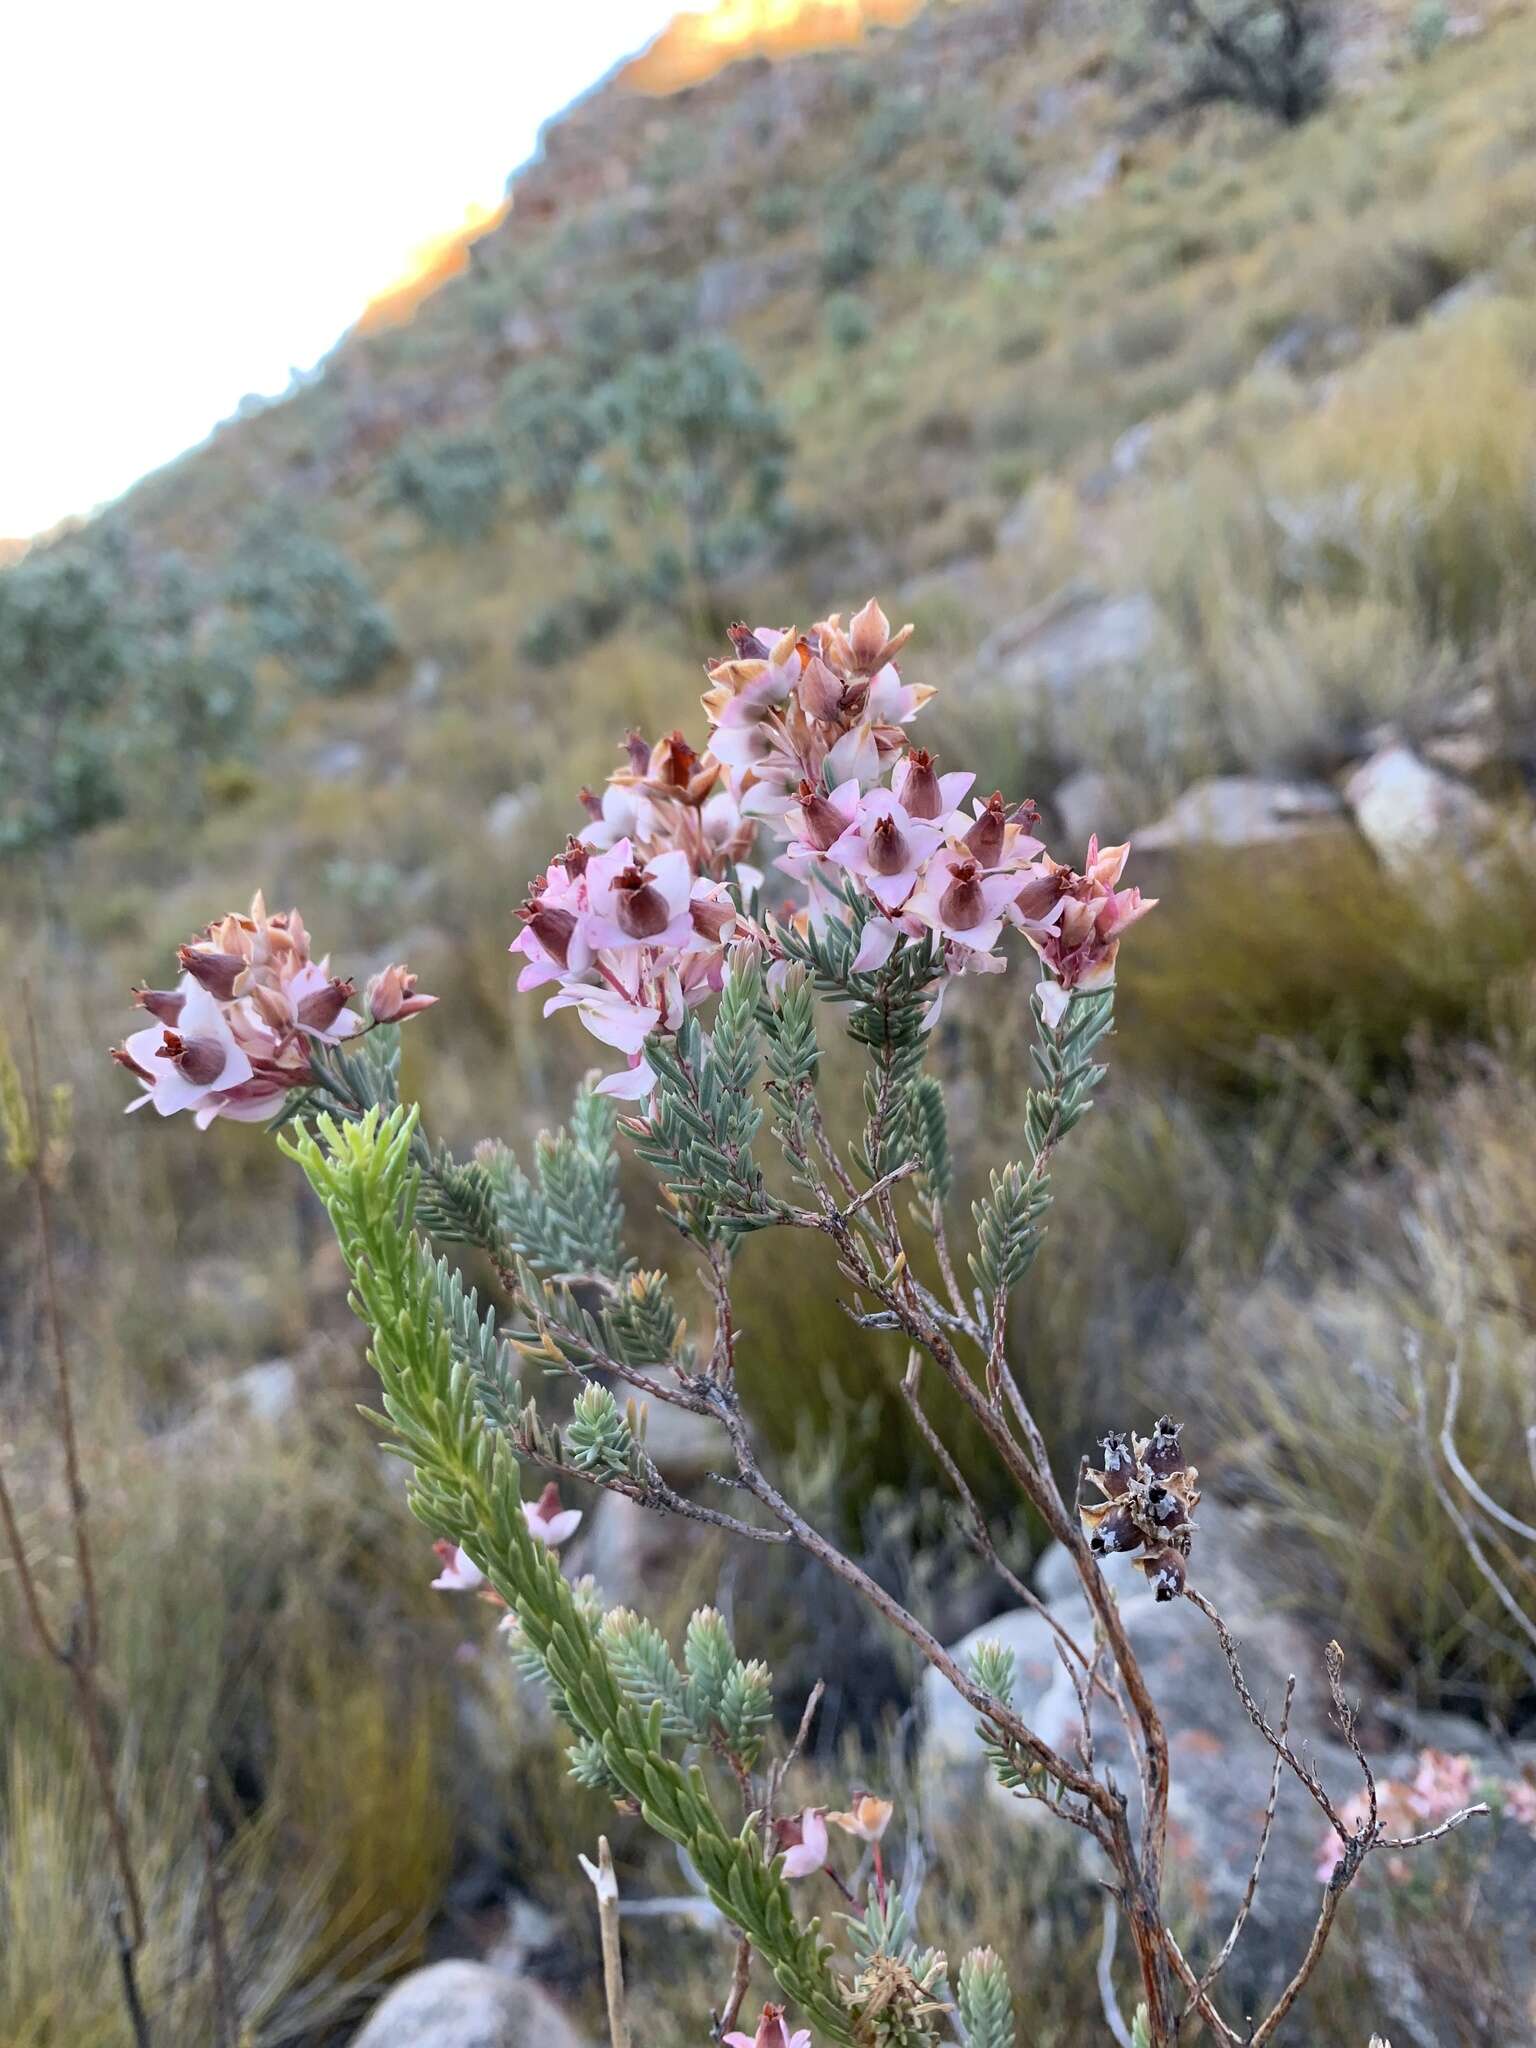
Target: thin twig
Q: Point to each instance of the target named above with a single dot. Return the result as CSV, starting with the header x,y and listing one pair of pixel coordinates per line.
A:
x,y
1224,1953
128,1976
226,2011
606,1885
1255,1712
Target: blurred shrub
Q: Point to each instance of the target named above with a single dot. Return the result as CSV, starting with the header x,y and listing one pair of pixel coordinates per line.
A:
x,y
695,449
847,320
454,483
853,239
1428,28
560,631
1272,57
550,429
644,316
307,605
103,674
780,208
933,225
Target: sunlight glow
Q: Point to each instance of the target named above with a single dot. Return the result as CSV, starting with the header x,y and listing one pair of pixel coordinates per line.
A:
x,y
200,198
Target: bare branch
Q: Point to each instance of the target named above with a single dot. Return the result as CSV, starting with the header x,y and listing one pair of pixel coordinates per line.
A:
x,y
1224,1953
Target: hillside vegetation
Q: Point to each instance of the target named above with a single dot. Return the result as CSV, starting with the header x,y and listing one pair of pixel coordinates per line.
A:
x,y
1196,444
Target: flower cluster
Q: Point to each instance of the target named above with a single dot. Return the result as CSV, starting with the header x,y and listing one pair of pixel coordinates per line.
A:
x,y
808,748
1148,1506
233,1038
1441,1786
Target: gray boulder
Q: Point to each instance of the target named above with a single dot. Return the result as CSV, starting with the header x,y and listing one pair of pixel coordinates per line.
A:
x,y
1241,810
466,2005
1409,812
1061,644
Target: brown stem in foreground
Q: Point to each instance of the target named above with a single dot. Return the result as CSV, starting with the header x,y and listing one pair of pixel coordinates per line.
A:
x,y
606,1887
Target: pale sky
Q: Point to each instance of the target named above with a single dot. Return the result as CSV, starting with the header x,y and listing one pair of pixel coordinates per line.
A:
x,y
197,196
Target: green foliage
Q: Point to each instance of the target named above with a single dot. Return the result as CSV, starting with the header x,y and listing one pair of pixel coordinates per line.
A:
x,y
569,1217
930,1139
599,1438
106,675
1428,28
986,2005
694,446
550,429
848,321
704,1116
306,605
465,1487
853,241
906,2015
454,483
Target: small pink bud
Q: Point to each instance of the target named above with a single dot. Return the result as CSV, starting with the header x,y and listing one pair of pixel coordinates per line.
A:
x,y
868,632
391,996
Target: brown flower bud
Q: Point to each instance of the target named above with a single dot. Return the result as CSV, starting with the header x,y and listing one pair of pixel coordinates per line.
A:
x,y
1116,1532
163,1004
220,973
920,793
985,838
824,823
821,691
963,906
552,927
1164,1453
639,908
746,643
887,846
710,918
198,1060
318,1012
1118,1464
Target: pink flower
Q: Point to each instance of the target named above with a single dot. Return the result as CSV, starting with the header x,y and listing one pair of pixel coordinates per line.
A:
x,y
771,2033
186,1065
803,1840
391,996
1442,1785
961,902
547,1520
622,813
885,848
922,791
1075,922
1520,1802
868,1817
460,1573
630,903
877,942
